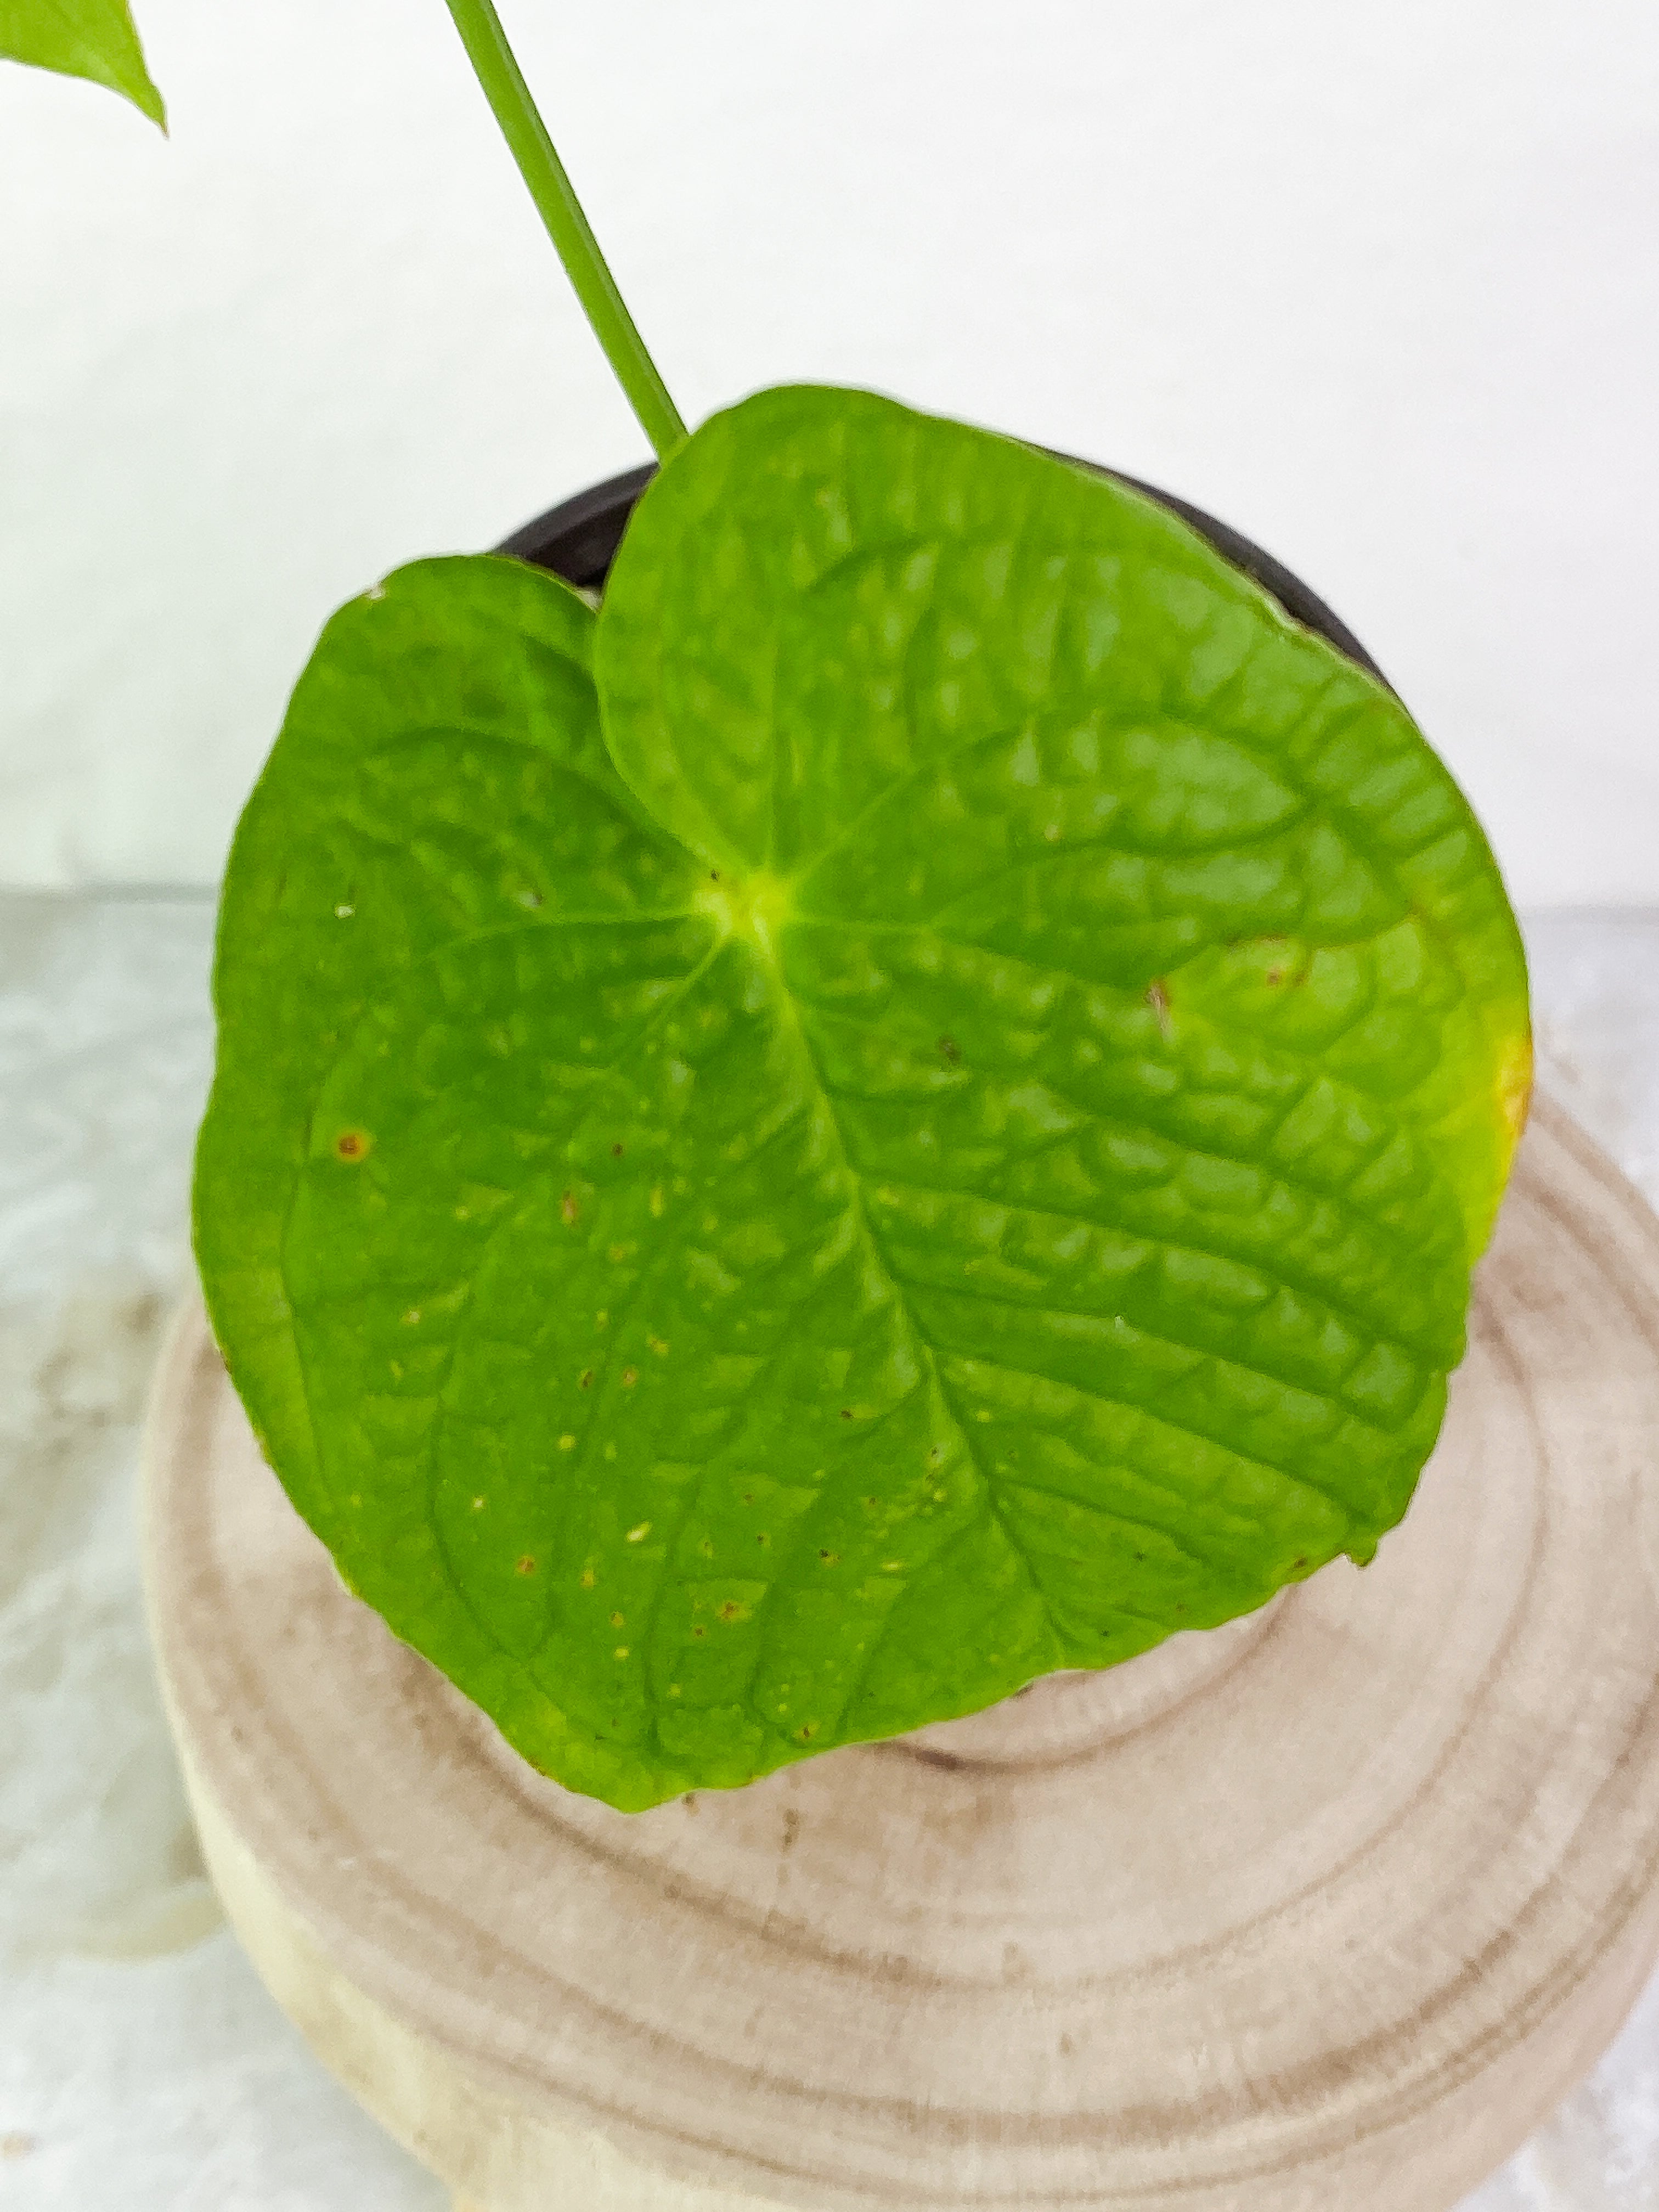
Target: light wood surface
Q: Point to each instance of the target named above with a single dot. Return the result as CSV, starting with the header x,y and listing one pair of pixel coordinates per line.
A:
x,y
1320,1913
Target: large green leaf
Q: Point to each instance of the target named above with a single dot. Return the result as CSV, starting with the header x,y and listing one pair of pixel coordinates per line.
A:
x,y
92,39
948,1142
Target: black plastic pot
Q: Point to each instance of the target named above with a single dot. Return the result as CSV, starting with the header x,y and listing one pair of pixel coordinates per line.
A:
x,y
578,540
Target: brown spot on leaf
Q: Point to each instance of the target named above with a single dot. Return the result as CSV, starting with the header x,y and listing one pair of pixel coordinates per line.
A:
x,y
352,1145
526,1565
567,1207
1157,997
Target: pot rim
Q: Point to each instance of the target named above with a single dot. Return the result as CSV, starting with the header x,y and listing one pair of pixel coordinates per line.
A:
x,y
578,539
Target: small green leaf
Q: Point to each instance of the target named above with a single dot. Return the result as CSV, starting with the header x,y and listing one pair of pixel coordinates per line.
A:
x,y
931,1126
92,39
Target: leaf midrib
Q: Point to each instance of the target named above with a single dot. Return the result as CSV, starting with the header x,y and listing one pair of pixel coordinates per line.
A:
x,y
793,1025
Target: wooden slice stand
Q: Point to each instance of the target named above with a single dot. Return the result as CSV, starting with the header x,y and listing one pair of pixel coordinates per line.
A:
x,y
1322,1912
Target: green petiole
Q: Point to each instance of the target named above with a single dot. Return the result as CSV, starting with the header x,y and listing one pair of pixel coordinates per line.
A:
x,y
509,96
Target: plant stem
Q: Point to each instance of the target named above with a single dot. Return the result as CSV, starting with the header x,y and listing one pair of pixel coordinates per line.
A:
x,y
503,80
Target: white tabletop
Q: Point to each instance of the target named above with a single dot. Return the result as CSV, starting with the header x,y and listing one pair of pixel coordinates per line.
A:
x,y
141,2066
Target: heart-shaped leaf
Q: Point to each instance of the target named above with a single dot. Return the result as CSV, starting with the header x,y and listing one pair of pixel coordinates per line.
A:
x,y
91,39
931,1127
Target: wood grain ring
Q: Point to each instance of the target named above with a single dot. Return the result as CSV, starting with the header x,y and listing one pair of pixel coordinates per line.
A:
x,y
1328,1908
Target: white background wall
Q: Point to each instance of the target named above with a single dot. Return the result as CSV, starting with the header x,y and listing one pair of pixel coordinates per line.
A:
x,y
1379,284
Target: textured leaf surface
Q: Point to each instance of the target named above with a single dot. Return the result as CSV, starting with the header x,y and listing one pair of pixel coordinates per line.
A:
x,y
930,1126
92,39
